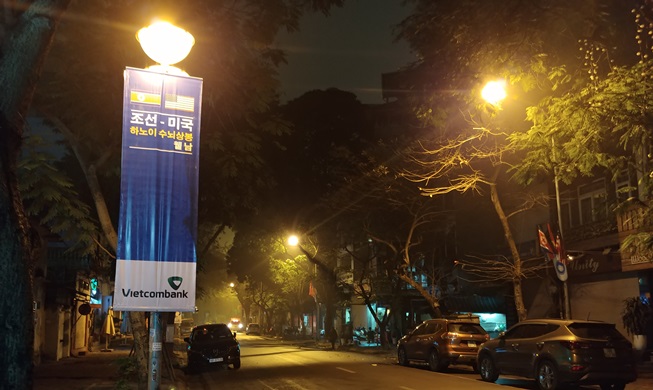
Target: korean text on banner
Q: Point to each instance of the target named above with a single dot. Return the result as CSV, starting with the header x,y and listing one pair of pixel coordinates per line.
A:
x,y
157,227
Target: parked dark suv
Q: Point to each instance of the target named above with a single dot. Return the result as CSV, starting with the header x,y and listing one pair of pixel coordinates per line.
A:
x,y
212,345
441,342
557,352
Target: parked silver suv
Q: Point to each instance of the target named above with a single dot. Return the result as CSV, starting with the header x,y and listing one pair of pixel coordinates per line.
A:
x,y
556,352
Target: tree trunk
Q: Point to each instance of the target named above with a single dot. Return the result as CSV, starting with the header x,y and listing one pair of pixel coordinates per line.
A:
x,y
433,301
17,338
23,53
141,346
517,273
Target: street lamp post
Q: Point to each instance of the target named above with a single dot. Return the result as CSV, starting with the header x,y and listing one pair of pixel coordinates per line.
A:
x,y
294,241
494,92
565,286
167,45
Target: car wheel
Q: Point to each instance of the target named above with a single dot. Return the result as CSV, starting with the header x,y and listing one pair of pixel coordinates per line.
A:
x,y
487,369
401,357
435,364
547,375
236,364
613,386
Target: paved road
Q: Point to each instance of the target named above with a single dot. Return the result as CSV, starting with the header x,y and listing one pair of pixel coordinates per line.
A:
x,y
269,364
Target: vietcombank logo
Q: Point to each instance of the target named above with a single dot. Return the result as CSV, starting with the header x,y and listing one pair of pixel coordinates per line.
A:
x,y
174,282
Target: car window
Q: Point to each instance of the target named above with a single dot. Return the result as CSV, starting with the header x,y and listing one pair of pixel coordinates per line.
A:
x,y
516,332
466,328
421,329
527,331
431,327
595,331
537,330
206,334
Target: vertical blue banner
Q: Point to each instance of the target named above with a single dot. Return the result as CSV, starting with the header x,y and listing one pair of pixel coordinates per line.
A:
x,y
157,227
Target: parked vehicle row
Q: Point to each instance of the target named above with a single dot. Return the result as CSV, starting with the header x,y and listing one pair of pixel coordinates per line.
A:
x,y
553,352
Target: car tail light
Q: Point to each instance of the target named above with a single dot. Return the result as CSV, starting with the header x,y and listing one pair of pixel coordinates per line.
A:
x,y
575,345
577,367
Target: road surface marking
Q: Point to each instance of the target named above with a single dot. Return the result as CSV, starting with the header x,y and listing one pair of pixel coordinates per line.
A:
x,y
266,385
295,384
346,370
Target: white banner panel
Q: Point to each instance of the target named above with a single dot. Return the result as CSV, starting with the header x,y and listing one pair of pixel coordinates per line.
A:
x,y
148,285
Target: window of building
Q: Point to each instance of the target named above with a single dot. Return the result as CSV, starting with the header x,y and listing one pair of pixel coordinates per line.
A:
x,y
625,186
592,202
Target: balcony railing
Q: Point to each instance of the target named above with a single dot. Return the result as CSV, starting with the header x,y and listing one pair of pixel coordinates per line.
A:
x,y
590,230
630,220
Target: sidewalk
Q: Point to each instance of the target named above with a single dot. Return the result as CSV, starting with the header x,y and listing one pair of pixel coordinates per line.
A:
x,y
98,371
101,370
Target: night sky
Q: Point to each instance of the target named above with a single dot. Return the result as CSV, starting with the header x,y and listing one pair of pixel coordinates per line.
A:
x,y
348,50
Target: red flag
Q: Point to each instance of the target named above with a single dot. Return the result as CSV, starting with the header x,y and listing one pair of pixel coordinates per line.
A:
x,y
544,241
554,251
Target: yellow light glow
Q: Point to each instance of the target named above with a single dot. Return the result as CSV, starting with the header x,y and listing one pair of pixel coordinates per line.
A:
x,y
293,240
164,43
494,92
167,69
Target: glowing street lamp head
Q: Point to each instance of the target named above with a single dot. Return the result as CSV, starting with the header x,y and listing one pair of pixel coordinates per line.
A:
x,y
494,92
164,43
293,240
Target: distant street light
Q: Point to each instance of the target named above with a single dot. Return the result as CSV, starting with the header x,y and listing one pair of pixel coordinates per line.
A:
x,y
494,92
293,240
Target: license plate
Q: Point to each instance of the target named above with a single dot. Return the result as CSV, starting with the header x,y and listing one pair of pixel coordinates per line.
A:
x,y
471,344
609,352
215,360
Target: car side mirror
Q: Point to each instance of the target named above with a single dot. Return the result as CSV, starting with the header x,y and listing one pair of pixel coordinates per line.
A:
x,y
187,339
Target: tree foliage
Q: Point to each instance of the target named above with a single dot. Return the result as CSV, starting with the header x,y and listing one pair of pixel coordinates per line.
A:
x,y
600,124
50,197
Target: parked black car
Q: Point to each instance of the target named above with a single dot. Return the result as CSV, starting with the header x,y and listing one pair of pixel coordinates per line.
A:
x,y
441,342
560,352
212,345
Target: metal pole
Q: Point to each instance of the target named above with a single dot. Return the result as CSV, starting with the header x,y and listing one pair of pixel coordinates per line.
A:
x,y
317,306
154,373
565,287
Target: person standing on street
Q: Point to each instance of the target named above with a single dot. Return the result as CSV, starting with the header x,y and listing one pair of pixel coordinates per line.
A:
x,y
333,337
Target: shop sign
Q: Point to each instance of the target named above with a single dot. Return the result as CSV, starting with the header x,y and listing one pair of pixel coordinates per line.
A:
x,y
594,264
